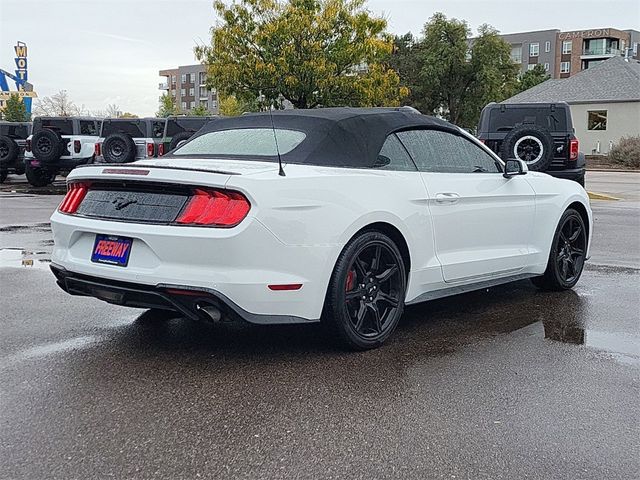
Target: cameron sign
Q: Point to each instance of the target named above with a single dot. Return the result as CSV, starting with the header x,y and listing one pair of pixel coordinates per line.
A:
x,y
598,33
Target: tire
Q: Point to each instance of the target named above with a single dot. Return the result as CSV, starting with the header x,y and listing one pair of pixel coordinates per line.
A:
x,y
119,148
566,259
179,138
365,298
39,176
3,175
9,151
47,146
530,143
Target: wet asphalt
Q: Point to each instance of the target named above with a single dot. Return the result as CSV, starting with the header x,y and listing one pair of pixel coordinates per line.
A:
x,y
505,383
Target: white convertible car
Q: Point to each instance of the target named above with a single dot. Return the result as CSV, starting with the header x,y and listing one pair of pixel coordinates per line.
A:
x,y
345,215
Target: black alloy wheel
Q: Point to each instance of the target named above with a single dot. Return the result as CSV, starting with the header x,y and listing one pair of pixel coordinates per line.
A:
x,y
367,290
567,257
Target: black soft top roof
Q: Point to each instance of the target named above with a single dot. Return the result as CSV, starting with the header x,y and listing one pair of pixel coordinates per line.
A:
x,y
343,137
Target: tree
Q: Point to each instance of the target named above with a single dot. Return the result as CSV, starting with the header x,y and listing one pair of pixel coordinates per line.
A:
x,y
309,52
200,111
531,78
15,110
230,106
405,60
58,105
128,115
458,77
113,111
167,106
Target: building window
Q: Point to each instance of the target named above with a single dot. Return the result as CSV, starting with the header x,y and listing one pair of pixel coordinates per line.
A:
x,y
534,49
173,92
183,92
183,78
203,103
184,105
192,92
173,79
546,67
516,53
547,47
531,66
214,104
597,120
565,67
566,46
203,92
203,78
635,48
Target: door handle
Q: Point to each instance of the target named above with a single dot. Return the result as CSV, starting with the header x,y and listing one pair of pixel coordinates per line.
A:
x,y
447,197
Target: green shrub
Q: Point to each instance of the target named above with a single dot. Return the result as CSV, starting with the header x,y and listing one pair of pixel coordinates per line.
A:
x,y
626,152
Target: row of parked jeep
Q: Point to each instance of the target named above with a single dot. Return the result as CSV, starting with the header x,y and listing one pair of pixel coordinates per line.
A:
x,y
53,145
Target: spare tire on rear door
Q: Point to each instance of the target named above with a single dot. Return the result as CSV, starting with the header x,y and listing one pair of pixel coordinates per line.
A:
x,y
530,143
179,139
47,145
9,151
119,148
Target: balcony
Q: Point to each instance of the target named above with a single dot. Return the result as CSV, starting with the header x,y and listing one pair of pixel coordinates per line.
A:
x,y
601,52
163,86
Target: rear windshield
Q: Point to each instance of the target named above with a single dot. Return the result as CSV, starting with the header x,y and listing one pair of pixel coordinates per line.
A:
x,y
61,126
133,128
507,119
250,142
175,126
15,131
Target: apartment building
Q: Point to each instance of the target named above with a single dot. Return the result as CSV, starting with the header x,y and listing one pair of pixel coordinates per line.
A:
x,y
187,86
563,54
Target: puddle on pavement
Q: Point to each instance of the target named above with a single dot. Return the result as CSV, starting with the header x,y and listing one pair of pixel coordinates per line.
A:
x,y
624,347
20,258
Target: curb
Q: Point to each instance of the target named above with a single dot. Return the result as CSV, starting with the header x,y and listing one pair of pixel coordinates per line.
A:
x,y
601,196
616,170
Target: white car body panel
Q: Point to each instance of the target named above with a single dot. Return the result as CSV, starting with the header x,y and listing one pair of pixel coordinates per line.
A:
x,y
498,230
87,147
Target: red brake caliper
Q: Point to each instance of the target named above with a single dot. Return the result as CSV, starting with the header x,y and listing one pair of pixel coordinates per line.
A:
x,y
351,277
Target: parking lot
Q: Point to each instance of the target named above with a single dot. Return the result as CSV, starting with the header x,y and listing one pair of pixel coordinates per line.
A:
x,y
505,383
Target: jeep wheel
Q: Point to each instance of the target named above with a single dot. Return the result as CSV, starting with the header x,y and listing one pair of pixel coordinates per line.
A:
x,y
530,143
39,176
119,148
3,175
179,139
47,146
8,151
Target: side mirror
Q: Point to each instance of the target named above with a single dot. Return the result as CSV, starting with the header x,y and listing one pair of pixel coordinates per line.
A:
x,y
513,167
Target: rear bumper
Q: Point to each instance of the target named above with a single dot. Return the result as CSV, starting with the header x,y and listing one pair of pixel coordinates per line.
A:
x,y
235,266
571,174
61,164
187,300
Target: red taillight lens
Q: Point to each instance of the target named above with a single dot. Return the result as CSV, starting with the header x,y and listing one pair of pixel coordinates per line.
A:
x,y
97,150
150,149
27,145
75,194
574,147
215,207
161,149
76,146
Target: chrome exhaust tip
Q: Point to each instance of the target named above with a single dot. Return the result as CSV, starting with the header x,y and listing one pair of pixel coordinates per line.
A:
x,y
209,312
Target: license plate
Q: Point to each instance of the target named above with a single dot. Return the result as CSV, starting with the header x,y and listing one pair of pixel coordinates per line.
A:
x,y
111,250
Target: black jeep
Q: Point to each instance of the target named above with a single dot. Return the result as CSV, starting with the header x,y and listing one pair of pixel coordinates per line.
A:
x,y
13,139
180,129
541,134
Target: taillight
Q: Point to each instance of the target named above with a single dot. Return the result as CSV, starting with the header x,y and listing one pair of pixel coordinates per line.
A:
x,y
574,147
97,150
150,149
76,146
75,194
27,145
161,149
215,207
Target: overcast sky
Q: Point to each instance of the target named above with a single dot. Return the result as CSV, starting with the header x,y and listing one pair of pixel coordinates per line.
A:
x,y
110,51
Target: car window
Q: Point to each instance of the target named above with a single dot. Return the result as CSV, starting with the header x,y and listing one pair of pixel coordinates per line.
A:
x,y
157,129
133,128
88,127
393,156
61,126
438,151
243,142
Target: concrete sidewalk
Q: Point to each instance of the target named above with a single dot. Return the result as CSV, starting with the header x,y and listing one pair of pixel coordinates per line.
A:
x,y
622,185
